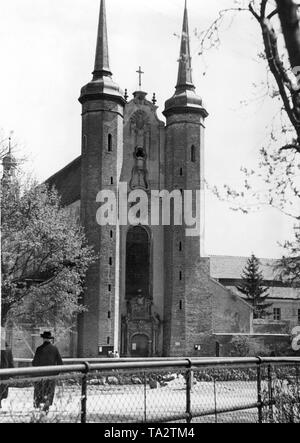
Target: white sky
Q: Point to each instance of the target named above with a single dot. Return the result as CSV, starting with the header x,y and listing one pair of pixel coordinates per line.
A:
x,y
47,51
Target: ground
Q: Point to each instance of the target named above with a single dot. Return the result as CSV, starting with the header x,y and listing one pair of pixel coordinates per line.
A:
x,y
137,403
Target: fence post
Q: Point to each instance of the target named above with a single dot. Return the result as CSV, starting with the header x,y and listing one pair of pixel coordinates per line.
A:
x,y
297,380
145,397
215,400
270,393
84,392
189,383
259,392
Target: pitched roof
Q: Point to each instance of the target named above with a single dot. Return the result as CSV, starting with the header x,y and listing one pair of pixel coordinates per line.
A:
x,y
283,293
229,267
67,181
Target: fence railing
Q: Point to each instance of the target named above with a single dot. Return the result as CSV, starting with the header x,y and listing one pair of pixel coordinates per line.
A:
x,y
255,390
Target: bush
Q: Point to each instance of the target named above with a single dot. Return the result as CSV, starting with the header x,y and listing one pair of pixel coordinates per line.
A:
x,y
240,347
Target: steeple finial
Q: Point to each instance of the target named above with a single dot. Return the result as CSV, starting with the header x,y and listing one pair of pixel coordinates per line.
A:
x,y
185,80
102,68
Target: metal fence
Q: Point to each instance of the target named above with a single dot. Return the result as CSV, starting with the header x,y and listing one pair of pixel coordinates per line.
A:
x,y
252,390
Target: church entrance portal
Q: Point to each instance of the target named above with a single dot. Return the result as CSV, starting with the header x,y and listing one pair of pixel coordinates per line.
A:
x,y
140,346
140,323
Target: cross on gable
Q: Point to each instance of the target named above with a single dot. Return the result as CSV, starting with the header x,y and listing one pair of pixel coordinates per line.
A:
x,y
140,72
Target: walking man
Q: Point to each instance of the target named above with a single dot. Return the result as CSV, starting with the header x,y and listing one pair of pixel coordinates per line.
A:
x,y
7,361
46,355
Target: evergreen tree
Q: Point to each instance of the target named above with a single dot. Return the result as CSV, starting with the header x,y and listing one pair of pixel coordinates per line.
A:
x,y
252,287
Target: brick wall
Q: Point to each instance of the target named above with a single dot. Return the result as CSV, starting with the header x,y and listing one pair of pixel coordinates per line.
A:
x,y
100,118
183,131
259,344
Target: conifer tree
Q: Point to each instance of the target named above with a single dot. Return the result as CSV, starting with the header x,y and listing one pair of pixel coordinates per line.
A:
x,y
252,287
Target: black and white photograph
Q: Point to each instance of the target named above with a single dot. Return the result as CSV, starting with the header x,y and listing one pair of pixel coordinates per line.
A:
x,y
150,214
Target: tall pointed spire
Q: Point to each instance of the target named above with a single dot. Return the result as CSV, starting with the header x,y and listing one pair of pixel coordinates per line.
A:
x,y
102,83
184,80
102,68
185,96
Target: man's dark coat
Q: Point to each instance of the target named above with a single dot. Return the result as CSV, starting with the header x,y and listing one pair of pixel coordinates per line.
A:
x,y
44,390
7,361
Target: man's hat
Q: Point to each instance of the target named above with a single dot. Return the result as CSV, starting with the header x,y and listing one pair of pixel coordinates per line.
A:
x,y
47,335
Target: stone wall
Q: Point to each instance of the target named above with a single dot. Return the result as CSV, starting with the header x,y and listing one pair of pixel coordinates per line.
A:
x,y
259,344
269,326
212,309
24,339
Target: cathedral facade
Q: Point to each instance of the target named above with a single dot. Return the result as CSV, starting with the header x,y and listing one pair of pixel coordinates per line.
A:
x,y
150,292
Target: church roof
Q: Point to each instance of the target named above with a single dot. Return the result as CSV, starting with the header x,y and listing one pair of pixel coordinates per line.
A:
x,y
67,181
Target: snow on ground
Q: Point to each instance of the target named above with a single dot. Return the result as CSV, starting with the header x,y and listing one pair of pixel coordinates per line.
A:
x,y
117,404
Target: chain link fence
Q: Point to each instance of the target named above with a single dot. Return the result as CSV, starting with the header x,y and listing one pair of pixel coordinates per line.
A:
x,y
179,391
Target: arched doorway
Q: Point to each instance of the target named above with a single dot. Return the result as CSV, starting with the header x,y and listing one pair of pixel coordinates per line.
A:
x,y
140,346
137,263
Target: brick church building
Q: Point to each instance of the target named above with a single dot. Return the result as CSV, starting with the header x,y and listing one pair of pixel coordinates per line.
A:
x,y
150,293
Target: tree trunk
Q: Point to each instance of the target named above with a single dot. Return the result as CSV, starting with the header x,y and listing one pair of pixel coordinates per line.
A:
x,y
289,18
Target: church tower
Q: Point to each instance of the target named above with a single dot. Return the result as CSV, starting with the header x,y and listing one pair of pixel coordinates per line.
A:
x,y
102,150
9,167
184,159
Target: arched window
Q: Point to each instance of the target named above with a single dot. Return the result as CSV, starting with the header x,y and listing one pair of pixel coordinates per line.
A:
x,y
193,154
109,143
138,245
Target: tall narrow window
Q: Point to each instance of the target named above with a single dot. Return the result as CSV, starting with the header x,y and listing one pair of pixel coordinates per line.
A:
x,y
110,261
109,288
108,340
84,142
277,314
193,154
111,234
109,143
111,180
180,275
109,315
180,305
180,246
181,172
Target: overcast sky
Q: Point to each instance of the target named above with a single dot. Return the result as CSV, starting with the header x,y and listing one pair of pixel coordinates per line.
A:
x,y
47,52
